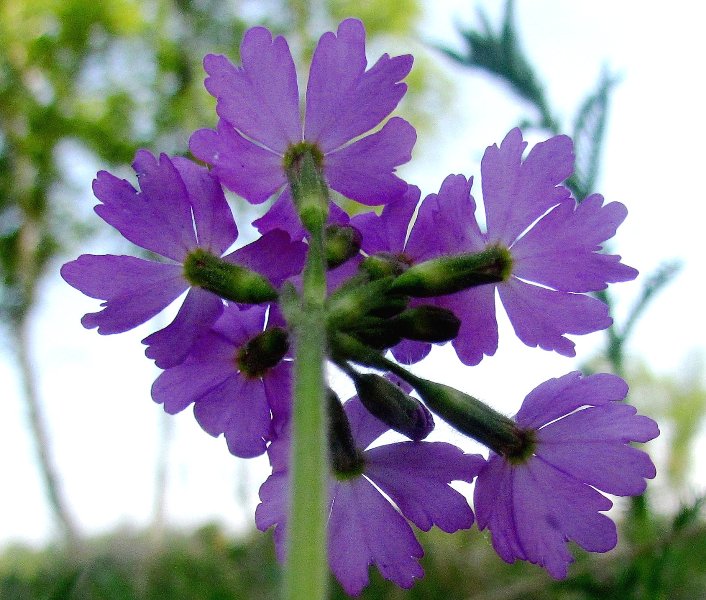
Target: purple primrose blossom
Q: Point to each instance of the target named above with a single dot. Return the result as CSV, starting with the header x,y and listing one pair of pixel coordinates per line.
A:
x,y
248,407
533,505
180,207
554,243
363,527
260,122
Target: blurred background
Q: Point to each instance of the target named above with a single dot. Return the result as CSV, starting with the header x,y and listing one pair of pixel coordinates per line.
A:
x,y
103,496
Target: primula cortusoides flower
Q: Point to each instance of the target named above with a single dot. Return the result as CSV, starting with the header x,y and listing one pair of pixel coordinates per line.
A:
x,y
580,431
363,527
260,131
179,213
236,379
552,244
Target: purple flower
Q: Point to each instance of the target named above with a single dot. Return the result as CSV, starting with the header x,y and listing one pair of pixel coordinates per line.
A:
x,y
533,505
235,394
554,243
180,207
363,527
260,123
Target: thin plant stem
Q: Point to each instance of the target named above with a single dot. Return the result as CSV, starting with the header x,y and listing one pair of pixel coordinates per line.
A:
x,y
306,576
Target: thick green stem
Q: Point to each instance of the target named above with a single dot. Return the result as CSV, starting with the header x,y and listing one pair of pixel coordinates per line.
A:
x,y
307,568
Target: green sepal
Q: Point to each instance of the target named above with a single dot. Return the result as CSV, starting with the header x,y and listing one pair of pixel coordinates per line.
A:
x,y
303,164
262,352
341,243
426,324
346,460
227,280
384,264
450,274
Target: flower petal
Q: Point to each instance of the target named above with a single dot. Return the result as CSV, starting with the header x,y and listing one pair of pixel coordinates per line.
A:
x,y
278,388
415,475
517,192
343,100
134,290
591,446
364,426
274,510
273,255
158,218
249,170
478,335
282,215
206,368
561,249
261,98
562,395
213,219
541,317
365,529
388,232
364,170
170,346
409,352
238,408
446,223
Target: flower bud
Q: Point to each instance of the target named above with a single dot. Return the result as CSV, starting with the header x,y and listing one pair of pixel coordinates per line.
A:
x,y
227,280
262,352
449,274
426,324
342,242
380,337
392,406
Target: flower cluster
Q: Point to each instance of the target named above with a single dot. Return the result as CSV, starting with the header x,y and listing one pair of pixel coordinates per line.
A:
x,y
415,274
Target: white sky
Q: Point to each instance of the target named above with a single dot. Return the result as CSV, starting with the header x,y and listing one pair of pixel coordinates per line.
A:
x,y
104,426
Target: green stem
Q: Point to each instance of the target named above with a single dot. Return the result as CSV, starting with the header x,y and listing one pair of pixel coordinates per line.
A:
x,y
307,571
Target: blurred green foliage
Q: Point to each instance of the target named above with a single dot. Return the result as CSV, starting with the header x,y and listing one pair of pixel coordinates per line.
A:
x,y
209,565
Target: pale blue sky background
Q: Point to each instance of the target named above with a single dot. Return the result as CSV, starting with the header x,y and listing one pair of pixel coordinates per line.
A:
x,y
105,427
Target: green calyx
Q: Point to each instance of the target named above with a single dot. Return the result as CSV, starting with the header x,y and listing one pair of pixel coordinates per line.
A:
x,y
450,274
261,353
227,280
385,264
295,154
341,243
347,461
304,165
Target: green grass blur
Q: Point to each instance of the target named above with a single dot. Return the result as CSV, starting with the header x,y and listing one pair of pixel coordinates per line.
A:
x,y
656,560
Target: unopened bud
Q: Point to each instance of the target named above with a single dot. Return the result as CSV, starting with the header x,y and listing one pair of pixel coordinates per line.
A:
x,y
262,352
380,338
392,406
227,280
449,274
342,242
426,324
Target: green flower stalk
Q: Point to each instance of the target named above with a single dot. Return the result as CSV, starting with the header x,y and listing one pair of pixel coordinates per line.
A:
x,y
307,568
